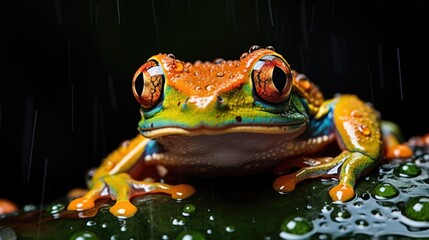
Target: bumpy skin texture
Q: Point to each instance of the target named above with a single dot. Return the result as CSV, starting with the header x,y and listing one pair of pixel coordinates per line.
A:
x,y
238,117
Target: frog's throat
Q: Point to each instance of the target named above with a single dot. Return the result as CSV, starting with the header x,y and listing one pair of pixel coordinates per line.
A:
x,y
291,129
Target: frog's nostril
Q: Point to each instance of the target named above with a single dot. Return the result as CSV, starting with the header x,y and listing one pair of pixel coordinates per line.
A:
x,y
220,99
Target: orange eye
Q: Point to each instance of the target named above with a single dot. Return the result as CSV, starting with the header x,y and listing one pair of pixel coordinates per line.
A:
x,y
272,79
148,84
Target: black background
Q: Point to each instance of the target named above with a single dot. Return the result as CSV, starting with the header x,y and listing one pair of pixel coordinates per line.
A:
x,y
66,69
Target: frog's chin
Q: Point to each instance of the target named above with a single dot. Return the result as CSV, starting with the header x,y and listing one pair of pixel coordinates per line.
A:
x,y
166,131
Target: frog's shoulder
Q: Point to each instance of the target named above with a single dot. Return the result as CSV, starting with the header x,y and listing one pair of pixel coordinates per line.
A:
x,y
308,91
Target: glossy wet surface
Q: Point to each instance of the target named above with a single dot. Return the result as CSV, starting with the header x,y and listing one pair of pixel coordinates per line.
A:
x,y
391,203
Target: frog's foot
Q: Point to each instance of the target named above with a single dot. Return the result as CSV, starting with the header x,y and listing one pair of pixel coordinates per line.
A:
x,y
346,167
122,188
394,150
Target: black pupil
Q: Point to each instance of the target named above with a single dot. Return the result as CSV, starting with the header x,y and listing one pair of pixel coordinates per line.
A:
x,y
279,78
139,84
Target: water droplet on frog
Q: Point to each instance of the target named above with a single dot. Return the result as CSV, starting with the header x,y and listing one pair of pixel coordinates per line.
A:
x,y
355,113
196,73
219,60
364,129
244,55
209,87
220,74
254,48
270,48
178,76
178,66
198,88
170,55
186,70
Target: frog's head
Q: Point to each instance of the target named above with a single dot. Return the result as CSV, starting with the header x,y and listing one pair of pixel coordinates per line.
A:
x,y
255,94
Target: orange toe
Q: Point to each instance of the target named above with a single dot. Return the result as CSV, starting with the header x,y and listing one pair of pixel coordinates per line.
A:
x,y
342,192
181,191
123,209
400,151
80,204
285,183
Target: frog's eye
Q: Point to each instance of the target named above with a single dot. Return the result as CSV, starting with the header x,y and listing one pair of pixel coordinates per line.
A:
x,y
272,79
148,83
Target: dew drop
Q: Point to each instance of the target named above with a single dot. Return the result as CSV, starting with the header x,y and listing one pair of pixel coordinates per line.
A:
x,y
417,208
364,129
385,191
220,74
296,225
56,207
188,209
230,228
91,223
170,55
178,66
244,55
407,170
82,235
270,48
219,60
179,221
362,223
190,234
341,215
254,48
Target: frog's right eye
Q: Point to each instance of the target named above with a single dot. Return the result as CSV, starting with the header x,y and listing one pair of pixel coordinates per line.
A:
x,y
148,83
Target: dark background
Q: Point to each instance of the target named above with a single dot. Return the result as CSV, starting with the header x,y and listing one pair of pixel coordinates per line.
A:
x,y
66,69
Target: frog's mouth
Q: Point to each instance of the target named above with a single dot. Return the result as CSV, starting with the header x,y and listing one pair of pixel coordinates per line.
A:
x,y
290,129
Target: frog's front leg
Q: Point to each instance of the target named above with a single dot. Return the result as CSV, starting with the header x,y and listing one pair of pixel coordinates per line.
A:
x,y
112,179
358,134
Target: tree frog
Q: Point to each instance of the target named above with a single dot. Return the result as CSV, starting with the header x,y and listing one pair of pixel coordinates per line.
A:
x,y
239,117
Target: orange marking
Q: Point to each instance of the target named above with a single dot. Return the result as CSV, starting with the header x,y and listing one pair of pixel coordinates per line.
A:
x,y
181,191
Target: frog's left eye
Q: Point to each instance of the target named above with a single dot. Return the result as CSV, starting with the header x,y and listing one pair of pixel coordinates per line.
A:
x,y
148,84
272,79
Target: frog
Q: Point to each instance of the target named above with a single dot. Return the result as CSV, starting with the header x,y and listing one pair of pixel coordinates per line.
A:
x,y
235,118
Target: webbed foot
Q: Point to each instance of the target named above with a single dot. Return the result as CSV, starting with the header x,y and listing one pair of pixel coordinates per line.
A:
x,y
346,167
122,188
